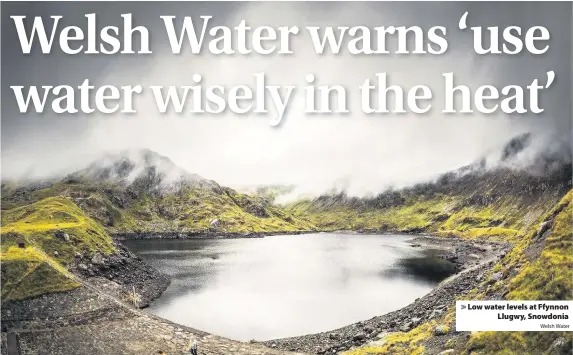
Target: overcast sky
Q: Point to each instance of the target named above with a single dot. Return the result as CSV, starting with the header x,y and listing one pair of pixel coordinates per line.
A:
x,y
363,154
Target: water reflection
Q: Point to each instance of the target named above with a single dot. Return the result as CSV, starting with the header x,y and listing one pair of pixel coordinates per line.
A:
x,y
283,286
427,267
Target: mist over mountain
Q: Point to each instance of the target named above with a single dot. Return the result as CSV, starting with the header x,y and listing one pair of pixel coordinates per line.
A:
x,y
151,172
76,186
360,154
141,168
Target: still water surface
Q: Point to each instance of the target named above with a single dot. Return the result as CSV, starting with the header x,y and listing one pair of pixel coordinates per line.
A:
x,y
288,285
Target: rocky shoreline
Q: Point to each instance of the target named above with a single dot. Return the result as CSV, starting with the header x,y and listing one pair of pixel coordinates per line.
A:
x,y
137,281
474,262
105,302
199,235
92,320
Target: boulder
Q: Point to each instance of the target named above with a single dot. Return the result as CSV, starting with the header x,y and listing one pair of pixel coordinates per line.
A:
x,y
359,336
544,227
495,277
215,223
98,259
436,313
61,235
557,347
441,330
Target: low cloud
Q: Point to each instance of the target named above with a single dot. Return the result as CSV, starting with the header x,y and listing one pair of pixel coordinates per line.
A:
x,y
359,153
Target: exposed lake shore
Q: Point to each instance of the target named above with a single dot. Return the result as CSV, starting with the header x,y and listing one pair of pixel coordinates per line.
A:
x,y
99,312
474,261
199,235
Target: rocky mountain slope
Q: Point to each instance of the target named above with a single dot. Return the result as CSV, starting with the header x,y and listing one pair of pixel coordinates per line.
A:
x,y
141,191
68,288
57,234
502,202
540,267
48,244
529,206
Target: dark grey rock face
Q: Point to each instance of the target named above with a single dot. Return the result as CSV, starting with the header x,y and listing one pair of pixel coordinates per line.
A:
x,y
127,270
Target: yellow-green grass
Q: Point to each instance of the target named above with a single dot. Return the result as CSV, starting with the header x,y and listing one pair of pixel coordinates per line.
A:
x,y
40,266
39,223
548,276
194,210
191,209
506,219
408,343
28,272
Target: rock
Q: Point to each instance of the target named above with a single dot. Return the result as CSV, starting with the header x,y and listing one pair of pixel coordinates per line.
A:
x,y
406,327
436,313
56,254
557,346
441,330
59,234
77,255
98,259
215,223
446,352
416,321
333,336
359,336
82,267
495,277
544,227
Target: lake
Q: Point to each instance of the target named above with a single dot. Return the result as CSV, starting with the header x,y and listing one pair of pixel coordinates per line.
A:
x,y
288,285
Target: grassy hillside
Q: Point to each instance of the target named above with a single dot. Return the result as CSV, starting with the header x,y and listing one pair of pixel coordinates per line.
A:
x,y
39,240
500,204
189,209
544,266
143,191
45,226
540,267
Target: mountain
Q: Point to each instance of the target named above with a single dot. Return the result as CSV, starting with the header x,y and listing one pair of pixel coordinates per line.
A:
x,y
526,202
54,231
140,169
142,191
498,202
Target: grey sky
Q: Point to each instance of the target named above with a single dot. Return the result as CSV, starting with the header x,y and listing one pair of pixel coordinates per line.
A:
x,y
365,154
